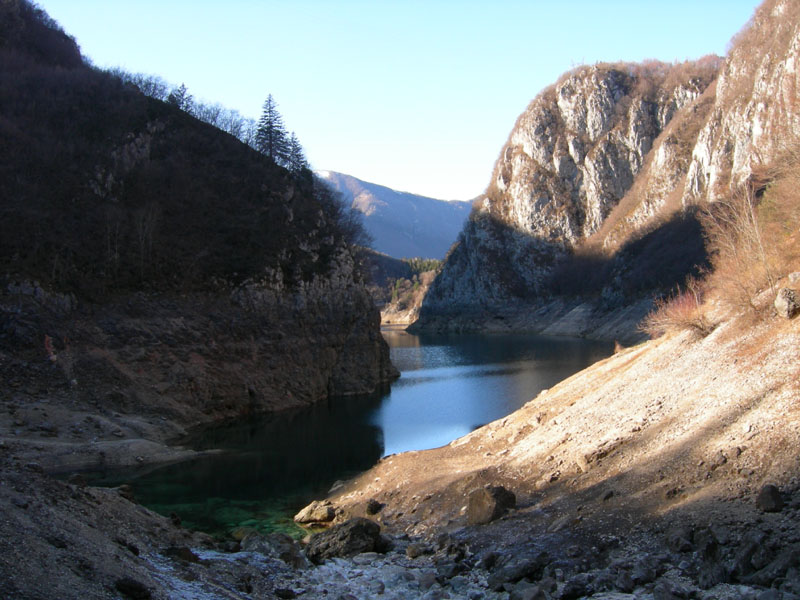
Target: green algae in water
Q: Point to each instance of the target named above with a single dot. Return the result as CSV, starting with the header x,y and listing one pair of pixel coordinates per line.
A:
x,y
270,468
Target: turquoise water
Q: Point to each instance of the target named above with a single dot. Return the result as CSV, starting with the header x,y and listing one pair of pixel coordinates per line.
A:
x,y
272,467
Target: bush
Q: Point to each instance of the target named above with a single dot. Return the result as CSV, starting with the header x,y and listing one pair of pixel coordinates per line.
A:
x,y
742,265
681,312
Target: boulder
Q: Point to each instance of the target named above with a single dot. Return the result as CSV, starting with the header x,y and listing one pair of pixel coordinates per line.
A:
x,y
319,511
487,504
347,539
786,303
276,545
374,507
515,568
769,499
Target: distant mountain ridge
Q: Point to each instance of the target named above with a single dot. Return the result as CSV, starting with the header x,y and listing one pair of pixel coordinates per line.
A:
x,y
402,224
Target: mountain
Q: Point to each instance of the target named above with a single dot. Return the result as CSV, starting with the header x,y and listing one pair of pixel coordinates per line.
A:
x,y
593,205
402,225
129,224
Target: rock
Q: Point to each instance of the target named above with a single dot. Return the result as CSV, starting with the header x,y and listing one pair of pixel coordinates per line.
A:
x,y
786,303
19,502
240,533
527,591
670,590
487,504
769,499
78,480
742,561
417,549
776,569
126,491
276,545
678,539
132,589
285,593
516,568
576,587
374,507
182,553
316,512
347,539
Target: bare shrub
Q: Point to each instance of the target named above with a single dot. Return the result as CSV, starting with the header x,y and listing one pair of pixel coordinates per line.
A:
x,y
742,265
681,312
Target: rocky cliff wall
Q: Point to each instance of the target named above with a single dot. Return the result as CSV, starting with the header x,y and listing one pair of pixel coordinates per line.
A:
x,y
612,154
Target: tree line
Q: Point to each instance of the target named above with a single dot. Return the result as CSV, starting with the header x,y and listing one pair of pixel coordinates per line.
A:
x,y
268,135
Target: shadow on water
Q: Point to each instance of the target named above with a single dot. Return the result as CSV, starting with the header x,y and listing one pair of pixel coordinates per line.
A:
x,y
273,466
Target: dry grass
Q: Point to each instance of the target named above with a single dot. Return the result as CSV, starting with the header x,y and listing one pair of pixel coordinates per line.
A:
x,y
681,312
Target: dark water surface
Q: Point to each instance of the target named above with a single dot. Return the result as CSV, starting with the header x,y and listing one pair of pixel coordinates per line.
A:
x,y
272,467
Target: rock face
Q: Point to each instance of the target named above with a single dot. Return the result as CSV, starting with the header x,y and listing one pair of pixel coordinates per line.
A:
x,y
603,158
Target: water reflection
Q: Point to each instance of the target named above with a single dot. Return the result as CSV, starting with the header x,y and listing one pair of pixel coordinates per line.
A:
x,y
452,384
271,467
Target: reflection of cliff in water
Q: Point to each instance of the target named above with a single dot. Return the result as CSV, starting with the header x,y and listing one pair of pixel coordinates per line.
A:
x,y
270,456
313,447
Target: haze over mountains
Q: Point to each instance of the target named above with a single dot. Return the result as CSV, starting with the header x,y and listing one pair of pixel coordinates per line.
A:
x,y
402,225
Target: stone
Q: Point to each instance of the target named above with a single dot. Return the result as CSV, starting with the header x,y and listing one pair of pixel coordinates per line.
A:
x,y
769,499
182,553
374,507
786,303
132,589
794,277
276,545
576,587
776,569
515,568
417,549
527,591
487,504
319,511
347,539
679,539
742,561
126,491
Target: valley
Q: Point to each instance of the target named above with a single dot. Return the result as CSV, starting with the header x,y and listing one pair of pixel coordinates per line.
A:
x,y
160,276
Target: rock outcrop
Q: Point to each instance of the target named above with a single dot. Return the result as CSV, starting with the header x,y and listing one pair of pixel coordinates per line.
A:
x,y
606,157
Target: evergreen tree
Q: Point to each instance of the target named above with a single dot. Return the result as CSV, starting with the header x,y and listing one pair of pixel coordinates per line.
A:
x,y
297,158
181,98
271,138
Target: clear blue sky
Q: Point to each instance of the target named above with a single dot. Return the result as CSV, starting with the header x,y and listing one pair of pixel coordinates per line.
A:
x,y
419,95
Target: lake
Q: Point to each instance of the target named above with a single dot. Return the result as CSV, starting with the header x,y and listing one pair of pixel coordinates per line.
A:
x,y
272,467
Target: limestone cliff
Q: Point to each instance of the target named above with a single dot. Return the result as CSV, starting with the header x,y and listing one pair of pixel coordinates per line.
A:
x,y
608,157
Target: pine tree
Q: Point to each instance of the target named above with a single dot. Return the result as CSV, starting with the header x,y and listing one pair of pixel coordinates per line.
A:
x,y
297,158
271,138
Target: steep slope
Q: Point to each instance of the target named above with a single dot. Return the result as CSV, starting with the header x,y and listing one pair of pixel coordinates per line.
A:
x,y
158,266
402,225
570,160
592,203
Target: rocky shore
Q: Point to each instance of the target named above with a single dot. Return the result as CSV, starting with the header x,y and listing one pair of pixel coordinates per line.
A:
x,y
643,476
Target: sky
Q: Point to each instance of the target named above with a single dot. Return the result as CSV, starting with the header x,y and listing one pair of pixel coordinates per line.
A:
x,y
417,95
